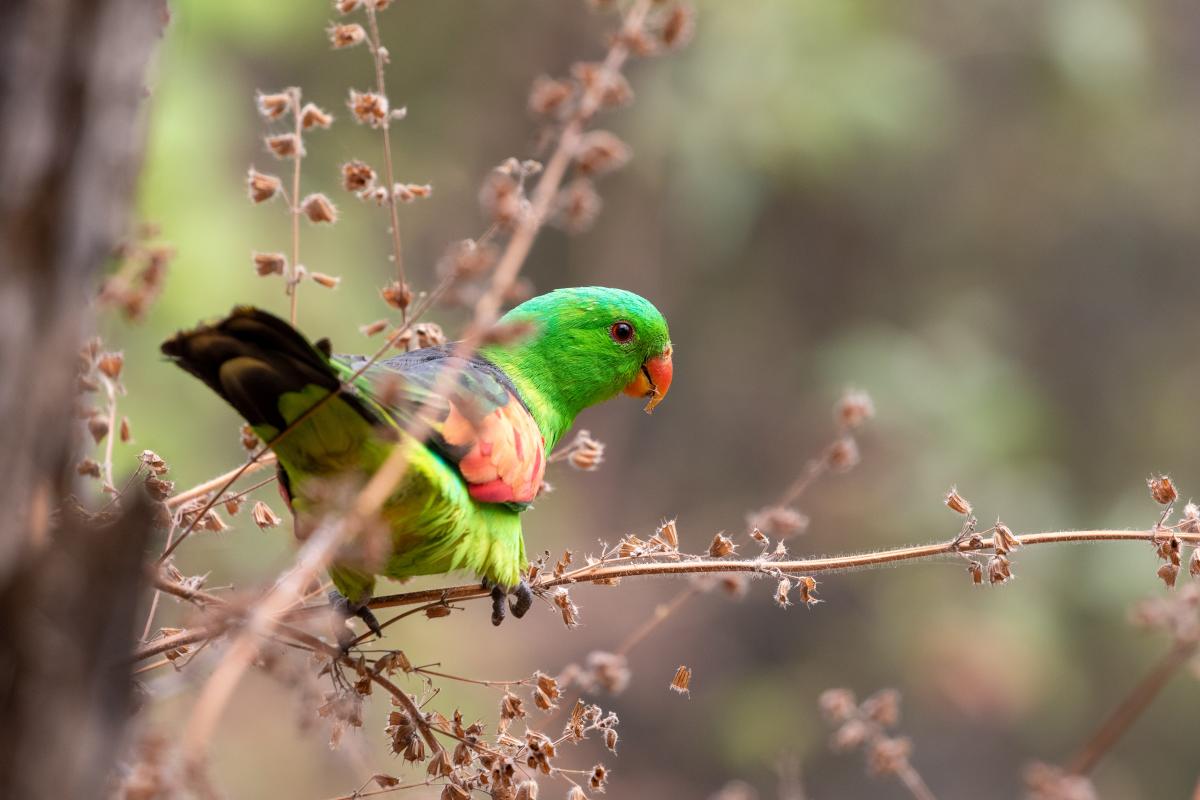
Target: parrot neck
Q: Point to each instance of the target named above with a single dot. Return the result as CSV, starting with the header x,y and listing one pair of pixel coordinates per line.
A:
x,y
554,387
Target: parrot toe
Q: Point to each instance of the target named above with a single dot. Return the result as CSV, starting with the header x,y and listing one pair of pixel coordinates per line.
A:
x,y
498,598
344,610
523,599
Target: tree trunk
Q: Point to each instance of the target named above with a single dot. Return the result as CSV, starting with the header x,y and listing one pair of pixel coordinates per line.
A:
x,y
72,86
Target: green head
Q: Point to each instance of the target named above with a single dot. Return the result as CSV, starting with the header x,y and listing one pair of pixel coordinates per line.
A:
x,y
587,345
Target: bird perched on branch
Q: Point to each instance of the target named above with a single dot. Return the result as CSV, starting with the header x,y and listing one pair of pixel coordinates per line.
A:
x,y
476,429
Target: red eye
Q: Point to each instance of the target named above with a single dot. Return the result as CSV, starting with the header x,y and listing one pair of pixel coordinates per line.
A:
x,y
621,332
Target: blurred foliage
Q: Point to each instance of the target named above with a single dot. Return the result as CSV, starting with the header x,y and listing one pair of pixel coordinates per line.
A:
x,y
982,213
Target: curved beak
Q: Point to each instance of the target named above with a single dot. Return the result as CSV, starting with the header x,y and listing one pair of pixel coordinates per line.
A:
x,y
653,380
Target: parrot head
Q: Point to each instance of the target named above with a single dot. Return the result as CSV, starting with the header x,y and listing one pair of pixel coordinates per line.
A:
x,y
587,345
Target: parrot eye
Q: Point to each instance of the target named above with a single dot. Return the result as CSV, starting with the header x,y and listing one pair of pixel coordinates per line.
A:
x,y
621,332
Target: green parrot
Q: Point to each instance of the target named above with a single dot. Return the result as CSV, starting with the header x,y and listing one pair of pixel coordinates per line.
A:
x,y
492,425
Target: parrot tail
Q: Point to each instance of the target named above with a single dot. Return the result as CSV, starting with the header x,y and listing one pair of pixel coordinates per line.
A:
x,y
273,376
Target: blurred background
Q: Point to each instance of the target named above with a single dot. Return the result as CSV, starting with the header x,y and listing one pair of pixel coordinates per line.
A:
x,y
984,214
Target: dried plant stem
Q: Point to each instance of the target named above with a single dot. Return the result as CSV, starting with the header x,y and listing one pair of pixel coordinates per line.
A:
x,y
377,56
1132,707
530,223
915,784
661,612
293,279
686,566
111,390
176,500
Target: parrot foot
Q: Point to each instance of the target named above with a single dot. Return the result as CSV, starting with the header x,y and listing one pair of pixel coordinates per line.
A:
x,y
344,610
522,600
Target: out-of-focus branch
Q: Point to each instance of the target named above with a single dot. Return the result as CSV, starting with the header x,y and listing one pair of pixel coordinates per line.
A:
x,y
530,223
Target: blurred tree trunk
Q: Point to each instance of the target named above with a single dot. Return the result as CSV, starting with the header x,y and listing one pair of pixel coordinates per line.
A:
x,y
72,78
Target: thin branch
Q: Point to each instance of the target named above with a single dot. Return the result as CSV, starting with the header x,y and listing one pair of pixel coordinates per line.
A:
x,y
222,481
293,278
648,566
377,56
1131,708
531,222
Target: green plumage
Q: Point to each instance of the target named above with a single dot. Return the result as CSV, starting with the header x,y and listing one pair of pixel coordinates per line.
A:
x,y
438,523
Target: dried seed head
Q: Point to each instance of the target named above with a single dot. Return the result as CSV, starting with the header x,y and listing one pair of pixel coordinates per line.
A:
x,y
599,777
549,96
157,488
1194,563
781,593
466,259
609,671
586,453
678,25
843,454
126,432
275,104
407,192
270,263
318,209
853,409
576,793
837,705
428,334
889,756
957,503
681,681
608,86
721,546
778,521
1169,548
526,790
373,328
1169,572
1162,489
501,198
98,428
346,35
808,589
610,739
311,116
883,707
263,516
577,206
262,187
850,736
438,611
1003,539
328,281
669,533
152,461
357,176
600,152
397,295
1190,522
975,569
233,504
110,364
88,468
570,613
998,569
285,145
369,108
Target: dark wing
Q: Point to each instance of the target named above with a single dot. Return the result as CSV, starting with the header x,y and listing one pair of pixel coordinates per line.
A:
x,y
479,423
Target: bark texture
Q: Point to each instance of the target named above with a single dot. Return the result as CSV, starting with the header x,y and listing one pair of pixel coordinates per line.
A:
x,y
72,91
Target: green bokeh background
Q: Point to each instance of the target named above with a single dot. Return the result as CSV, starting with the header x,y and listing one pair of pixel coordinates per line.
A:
x,y
983,213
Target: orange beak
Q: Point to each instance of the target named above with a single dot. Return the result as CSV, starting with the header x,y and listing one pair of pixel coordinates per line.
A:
x,y
653,380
